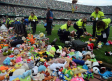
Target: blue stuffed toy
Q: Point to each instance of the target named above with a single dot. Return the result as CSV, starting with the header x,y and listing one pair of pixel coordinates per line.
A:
x,y
41,68
61,76
85,67
7,61
106,75
25,74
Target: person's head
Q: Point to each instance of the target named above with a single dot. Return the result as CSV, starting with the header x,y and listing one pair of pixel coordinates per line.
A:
x,y
7,16
84,19
97,9
48,8
32,14
23,19
69,22
100,25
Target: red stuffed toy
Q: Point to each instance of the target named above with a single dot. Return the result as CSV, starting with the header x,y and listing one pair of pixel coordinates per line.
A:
x,y
91,45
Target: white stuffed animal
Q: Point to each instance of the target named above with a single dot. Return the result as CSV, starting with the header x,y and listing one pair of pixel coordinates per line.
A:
x,y
56,65
89,64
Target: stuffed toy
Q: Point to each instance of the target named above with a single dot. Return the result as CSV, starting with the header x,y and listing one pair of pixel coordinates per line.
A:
x,y
98,67
88,75
108,53
24,66
78,71
2,76
7,53
12,62
39,77
31,39
92,40
72,53
18,59
31,64
63,54
107,44
16,51
77,79
90,46
41,68
7,61
56,65
88,55
68,74
18,65
106,75
18,72
29,54
28,78
4,49
110,42
100,44
35,71
68,61
78,55
48,78
3,45
58,60
25,74
88,63
3,68
81,62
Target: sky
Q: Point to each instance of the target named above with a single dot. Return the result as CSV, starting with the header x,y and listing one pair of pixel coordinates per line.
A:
x,y
92,2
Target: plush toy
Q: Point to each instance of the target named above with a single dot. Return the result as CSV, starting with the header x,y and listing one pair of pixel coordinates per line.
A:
x,y
58,60
12,62
7,53
25,74
88,75
56,65
3,69
100,44
41,68
39,77
18,72
24,66
68,61
90,46
81,62
93,40
16,51
18,59
17,65
7,61
110,42
88,55
3,45
78,55
63,54
68,74
78,71
48,78
35,71
31,39
106,75
2,76
88,63
108,53
72,53
77,79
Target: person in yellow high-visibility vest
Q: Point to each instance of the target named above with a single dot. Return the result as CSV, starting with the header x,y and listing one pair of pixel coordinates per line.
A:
x,y
34,21
63,31
95,16
103,29
80,27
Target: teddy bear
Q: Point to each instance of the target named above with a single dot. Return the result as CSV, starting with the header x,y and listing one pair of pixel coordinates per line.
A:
x,y
12,62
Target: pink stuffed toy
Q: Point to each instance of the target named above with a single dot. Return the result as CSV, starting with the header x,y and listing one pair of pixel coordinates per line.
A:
x,y
19,59
77,79
63,54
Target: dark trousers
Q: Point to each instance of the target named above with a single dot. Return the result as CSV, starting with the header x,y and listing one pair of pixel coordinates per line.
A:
x,y
63,35
104,40
94,28
48,28
79,31
33,25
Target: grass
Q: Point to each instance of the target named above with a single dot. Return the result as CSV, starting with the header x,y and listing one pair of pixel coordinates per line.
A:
x,y
100,54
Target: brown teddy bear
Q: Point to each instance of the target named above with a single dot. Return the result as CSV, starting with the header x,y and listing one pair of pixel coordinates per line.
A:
x,y
12,62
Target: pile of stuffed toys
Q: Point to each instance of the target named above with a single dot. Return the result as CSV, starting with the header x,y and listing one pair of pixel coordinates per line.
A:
x,y
36,60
